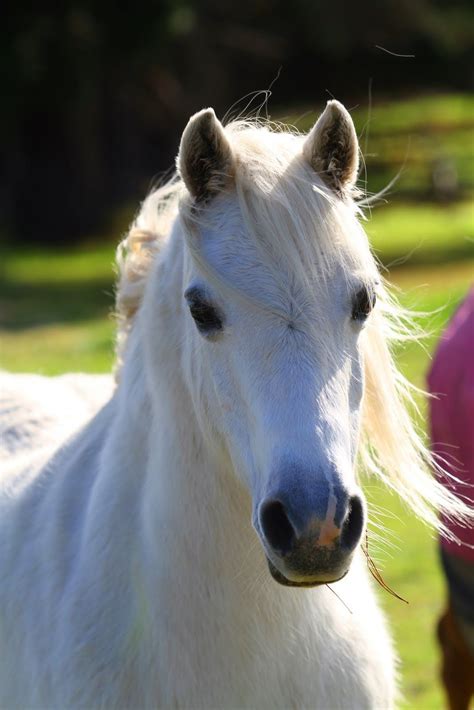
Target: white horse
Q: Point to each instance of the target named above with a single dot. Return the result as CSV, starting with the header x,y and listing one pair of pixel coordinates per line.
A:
x,y
174,549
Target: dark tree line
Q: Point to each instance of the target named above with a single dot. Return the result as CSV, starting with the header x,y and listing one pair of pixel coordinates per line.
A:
x,y
95,94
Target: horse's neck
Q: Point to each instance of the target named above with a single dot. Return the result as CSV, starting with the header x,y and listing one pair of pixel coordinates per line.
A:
x,y
203,563
198,516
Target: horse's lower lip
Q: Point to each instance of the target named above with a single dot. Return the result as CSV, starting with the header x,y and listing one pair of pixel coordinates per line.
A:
x,y
281,579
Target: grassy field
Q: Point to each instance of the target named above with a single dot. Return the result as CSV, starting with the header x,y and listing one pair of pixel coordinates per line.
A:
x,y
56,308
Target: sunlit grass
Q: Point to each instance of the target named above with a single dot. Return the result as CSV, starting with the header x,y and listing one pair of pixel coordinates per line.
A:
x,y
57,265
412,571
431,112
423,233
436,111
86,346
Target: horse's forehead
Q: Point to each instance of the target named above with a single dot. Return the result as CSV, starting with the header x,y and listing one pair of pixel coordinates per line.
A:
x,y
244,261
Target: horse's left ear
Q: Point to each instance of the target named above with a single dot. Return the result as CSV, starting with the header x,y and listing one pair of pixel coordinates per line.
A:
x,y
205,160
332,149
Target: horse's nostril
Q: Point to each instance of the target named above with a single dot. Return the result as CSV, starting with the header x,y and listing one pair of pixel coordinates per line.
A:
x,y
276,527
353,524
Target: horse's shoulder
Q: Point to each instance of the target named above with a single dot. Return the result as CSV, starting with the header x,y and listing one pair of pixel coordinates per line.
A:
x,y
38,411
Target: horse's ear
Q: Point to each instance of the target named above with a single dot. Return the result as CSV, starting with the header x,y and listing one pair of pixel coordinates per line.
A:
x,y
332,149
205,160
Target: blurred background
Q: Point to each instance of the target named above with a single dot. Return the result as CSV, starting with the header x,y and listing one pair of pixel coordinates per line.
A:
x,y
95,97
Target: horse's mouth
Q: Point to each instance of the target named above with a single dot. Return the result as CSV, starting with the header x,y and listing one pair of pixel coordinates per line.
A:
x,y
281,579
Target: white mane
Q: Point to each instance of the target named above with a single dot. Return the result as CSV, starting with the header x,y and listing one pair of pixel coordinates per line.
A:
x,y
294,219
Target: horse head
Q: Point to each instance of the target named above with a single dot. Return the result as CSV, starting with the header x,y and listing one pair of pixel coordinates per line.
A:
x,y
279,285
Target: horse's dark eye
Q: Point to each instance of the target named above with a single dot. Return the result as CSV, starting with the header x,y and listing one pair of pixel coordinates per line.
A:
x,y
363,303
206,316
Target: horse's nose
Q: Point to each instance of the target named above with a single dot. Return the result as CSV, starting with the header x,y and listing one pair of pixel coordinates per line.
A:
x,y
276,526
353,524
308,545
281,534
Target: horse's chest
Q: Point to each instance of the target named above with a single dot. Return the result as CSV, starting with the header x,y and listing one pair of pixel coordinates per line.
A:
x,y
246,669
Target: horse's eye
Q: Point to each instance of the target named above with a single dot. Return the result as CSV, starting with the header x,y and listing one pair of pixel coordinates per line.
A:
x,y
363,303
206,316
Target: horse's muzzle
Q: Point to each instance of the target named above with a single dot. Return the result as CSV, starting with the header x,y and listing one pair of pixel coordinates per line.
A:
x,y
316,553
308,583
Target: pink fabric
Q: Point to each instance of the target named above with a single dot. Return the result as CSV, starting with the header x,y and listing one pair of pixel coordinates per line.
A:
x,y
451,379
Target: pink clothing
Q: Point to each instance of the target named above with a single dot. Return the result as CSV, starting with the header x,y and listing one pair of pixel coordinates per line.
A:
x,y
451,379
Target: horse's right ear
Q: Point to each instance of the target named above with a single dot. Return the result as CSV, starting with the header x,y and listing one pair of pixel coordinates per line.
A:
x,y
331,148
205,160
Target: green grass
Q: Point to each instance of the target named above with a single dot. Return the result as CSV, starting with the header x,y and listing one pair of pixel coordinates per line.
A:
x,y
422,234
56,310
86,346
411,569
434,112
84,264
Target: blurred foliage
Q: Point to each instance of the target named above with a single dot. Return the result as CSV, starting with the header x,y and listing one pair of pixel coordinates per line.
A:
x,y
95,94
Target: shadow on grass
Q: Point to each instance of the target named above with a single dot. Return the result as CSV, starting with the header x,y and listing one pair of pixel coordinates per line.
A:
x,y
26,305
